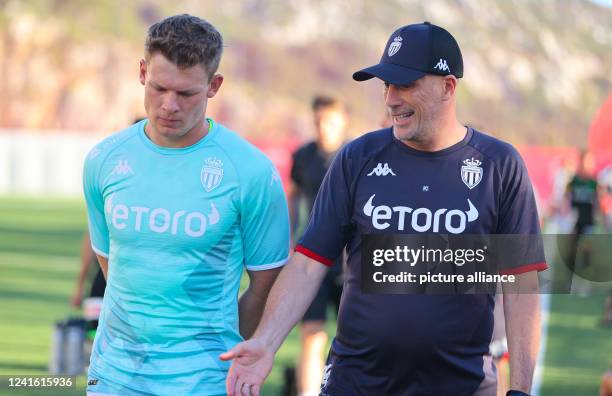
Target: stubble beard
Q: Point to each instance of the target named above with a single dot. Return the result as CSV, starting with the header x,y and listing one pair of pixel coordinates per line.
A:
x,y
419,136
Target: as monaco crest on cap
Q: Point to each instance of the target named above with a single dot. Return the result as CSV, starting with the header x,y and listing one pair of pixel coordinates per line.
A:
x,y
471,172
395,46
212,173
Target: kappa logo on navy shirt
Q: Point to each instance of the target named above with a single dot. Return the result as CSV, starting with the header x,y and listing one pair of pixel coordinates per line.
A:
x,y
454,221
381,170
326,374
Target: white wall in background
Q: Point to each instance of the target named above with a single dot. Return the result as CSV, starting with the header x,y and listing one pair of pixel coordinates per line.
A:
x,y
43,163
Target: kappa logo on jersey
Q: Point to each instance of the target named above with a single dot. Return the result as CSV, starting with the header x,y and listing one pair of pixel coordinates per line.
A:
x,y
471,172
326,374
395,46
454,221
212,173
159,220
275,176
94,153
442,65
381,170
122,168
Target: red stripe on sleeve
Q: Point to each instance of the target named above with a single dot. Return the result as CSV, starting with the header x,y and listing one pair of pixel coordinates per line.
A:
x,y
525,268
313,255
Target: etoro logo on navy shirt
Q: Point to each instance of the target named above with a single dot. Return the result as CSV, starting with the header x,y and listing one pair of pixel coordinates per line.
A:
x,y
454,221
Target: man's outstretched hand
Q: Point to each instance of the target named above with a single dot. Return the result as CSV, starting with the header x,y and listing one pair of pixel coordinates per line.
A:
x,y
252,362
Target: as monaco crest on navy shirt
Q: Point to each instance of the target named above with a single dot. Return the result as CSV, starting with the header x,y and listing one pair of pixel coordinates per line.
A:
x,y
415,344
471,172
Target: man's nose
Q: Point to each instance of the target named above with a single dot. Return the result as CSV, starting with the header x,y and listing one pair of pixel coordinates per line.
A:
x,y
170,103
392,97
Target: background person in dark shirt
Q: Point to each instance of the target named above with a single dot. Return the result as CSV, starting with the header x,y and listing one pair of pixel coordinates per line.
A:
x,y
582,190
310,163
582,193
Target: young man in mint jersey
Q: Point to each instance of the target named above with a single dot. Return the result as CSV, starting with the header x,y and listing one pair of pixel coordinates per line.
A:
x,y
427,174
178,205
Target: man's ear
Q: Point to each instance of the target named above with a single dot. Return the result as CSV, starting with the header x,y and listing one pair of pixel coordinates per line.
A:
x,y
449,86
214,85
143,71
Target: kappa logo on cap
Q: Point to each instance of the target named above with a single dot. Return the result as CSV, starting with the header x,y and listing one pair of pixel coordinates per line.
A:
x,y
425,49
395,46
442,65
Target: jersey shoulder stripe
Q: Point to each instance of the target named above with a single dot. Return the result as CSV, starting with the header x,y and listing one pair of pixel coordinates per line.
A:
x,y
495,149
369,144
358,153
247,160
102,150
507,161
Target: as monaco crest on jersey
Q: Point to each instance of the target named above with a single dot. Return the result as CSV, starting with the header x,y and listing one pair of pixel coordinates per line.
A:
x,y
212,173
471,172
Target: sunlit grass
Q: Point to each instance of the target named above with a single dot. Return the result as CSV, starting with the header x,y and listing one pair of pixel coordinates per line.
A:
x,y
39,247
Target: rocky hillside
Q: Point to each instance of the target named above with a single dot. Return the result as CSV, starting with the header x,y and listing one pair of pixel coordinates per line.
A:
x,y
535,70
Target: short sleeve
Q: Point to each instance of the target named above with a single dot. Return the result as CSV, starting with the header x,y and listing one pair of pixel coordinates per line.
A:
x,y
330,224
518,214
264,219
94,200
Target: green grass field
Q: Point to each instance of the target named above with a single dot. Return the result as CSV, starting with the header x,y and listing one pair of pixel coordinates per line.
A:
x,y
39,247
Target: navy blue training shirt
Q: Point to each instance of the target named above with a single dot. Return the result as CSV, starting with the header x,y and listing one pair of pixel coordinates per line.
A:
x,y
409,345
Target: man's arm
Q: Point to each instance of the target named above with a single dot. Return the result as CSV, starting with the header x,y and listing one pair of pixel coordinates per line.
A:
x,y
606,384
289,298
87,256
103,265
522,314
252,302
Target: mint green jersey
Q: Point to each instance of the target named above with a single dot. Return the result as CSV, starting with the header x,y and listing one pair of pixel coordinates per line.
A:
x,y
177,226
